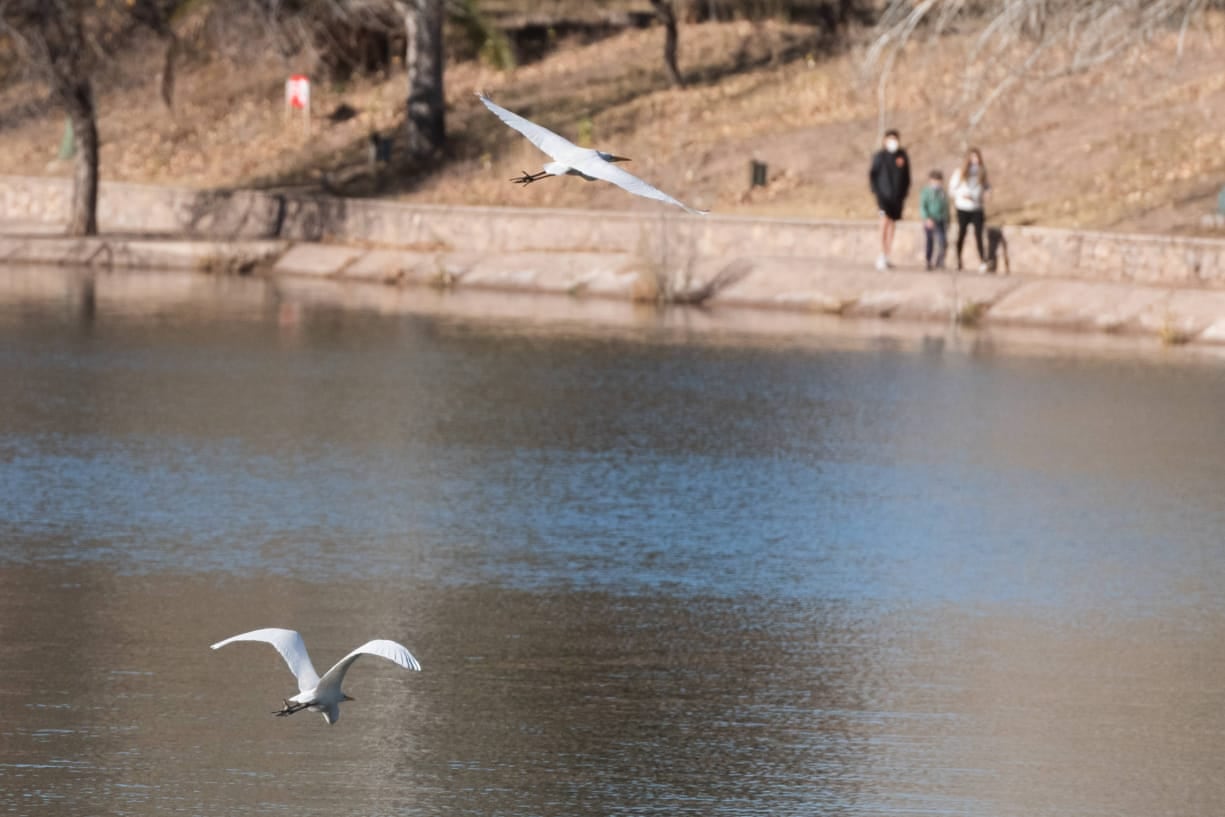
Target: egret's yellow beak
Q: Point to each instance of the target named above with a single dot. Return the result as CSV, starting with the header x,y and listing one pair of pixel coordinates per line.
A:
x,y
347,698
618,158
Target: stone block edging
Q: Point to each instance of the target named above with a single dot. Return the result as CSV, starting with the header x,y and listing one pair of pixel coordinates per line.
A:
x,y
1173,261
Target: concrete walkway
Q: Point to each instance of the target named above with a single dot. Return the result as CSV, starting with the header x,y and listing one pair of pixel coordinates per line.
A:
x,y
44,243
799,285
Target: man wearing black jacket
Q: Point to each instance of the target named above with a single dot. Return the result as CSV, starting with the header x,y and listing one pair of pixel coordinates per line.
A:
x,y
890,182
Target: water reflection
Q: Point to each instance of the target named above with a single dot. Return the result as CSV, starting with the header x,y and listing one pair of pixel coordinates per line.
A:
x,y
571,701
648,570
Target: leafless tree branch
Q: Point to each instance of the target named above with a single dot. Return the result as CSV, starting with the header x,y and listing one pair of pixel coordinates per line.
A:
x,y
1019,40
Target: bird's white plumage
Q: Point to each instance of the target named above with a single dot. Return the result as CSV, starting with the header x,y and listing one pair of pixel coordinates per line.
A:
x,y
321,694
570,158
540,136
289,644
390,650
609,172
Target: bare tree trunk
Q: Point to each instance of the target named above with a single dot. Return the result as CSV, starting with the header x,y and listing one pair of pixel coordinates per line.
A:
x,y
426,120
50,35
83,217
151,15
667,14
167,87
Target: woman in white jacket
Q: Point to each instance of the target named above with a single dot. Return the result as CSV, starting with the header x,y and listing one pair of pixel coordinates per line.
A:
x,y
969,187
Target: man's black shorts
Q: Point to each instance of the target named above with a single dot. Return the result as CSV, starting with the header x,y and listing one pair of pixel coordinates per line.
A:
x,y
890,209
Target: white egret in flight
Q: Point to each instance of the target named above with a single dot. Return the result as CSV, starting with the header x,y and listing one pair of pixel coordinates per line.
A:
x,y
572,160
315,693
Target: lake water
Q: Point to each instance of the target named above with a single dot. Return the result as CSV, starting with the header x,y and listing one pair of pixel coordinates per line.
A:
x,y
650,566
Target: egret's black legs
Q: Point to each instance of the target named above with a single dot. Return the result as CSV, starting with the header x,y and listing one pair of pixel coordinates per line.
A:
x,y
528,178
289,709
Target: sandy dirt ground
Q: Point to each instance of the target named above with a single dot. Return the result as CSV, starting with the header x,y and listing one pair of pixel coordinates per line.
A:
x,y
1137,145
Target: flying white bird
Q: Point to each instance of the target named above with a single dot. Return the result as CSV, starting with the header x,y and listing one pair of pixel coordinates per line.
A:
x,y
571,160
315,693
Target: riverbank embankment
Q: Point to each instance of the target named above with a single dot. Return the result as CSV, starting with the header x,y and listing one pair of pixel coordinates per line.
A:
x,y
1170,288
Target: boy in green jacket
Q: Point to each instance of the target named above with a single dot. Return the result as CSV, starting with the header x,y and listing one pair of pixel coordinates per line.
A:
x,y
934,210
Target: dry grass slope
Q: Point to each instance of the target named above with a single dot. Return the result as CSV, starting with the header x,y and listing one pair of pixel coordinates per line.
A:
x,y
1138,145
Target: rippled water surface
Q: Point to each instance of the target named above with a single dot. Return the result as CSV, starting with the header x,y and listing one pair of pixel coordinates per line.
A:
x,y
648,568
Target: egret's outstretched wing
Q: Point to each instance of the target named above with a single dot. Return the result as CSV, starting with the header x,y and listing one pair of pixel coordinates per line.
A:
x,y
597,168
289,644
541,137
390,650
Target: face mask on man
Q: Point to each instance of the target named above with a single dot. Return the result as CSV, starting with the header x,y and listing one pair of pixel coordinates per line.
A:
x,y
891,145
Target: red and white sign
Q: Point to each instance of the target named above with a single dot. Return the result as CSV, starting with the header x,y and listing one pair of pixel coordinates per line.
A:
x,y
298,92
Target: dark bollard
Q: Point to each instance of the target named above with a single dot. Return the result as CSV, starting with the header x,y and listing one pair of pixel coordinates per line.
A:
x,y
380,148
757,173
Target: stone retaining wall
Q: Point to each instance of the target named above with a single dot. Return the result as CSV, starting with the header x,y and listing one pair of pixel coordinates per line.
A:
x,y
1031,251
1119,284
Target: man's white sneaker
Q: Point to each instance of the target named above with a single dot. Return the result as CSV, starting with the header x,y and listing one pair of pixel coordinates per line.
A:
x,y
882,263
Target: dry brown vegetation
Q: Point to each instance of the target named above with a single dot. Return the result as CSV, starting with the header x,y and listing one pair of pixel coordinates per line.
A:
x,y
1138,144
